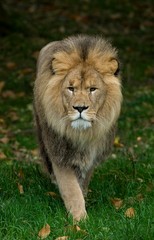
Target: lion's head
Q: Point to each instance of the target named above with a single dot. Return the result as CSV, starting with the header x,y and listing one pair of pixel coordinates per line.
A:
x,y
78,85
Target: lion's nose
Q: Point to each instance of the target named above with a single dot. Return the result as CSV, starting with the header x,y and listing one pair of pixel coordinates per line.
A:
x,y
80,108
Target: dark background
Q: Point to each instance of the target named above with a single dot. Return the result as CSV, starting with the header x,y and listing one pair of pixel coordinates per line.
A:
x,y
26,26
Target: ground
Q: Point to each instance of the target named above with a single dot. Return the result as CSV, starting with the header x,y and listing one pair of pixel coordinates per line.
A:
x,y
120,199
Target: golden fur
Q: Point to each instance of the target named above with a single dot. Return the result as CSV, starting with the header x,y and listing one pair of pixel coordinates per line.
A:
x,y
77,96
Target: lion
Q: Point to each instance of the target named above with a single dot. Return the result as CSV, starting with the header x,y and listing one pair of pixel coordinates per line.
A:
x,y
77,101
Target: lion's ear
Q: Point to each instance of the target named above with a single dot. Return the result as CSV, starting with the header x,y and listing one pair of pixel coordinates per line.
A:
x,y
63,61
111,66
114,66
60,63
107,65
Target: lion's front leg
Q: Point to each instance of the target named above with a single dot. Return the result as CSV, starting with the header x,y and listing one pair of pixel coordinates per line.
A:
x,y
70,191
86,181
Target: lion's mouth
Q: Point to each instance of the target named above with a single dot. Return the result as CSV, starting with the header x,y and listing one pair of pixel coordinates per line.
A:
x,y
81,123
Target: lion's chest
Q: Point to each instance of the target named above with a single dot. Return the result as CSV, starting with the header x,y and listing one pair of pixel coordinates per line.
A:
x,y
85,159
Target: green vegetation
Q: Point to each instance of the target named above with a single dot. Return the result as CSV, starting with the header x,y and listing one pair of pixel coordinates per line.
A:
x,y
128,173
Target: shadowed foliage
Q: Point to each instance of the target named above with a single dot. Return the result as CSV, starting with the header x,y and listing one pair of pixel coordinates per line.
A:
x,y
125,181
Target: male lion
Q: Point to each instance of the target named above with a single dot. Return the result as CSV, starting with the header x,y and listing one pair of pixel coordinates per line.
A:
x,y
77,100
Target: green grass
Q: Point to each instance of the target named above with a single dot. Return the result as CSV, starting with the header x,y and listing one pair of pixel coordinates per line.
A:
x,y
128,173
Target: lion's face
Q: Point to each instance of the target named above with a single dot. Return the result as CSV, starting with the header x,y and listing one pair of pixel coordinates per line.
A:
x,y
83,93
79,89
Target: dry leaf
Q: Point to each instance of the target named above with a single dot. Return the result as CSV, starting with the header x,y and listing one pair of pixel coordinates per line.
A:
x,y
2,84
2,121
9,94
140,197
13,116
52,194
20,174
4,140
34,152
26,71
117,142
20,187
2,155
130,212
117,202
62,238
44,232
139,139
11,65
76,228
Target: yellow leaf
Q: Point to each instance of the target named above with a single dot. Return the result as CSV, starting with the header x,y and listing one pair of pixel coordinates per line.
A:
x,y
117,202
44,232
130,212
117,142
62,238
20,187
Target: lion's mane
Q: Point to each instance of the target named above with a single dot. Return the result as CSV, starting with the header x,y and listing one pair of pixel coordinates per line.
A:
x,y
57,137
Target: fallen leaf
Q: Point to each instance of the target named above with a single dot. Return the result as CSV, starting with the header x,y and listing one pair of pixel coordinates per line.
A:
x,y
44,232
2,84
139,139
76,228
26,71
4,140
62,238
34,152
20,174
117,142
130,212
52,194
13,116
20,187
2,121
140,197
2,155
117,202
11,65
9,94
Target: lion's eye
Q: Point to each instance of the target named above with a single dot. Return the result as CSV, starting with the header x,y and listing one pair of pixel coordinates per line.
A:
x,y
92,89
71,89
